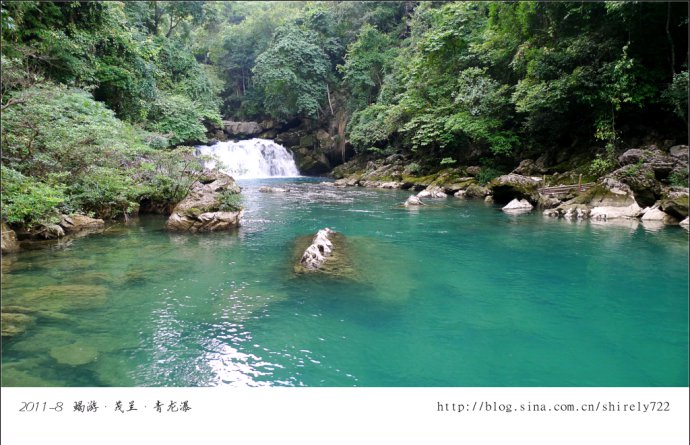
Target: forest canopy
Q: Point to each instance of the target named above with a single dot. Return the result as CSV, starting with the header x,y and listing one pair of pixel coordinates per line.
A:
x,y
97,95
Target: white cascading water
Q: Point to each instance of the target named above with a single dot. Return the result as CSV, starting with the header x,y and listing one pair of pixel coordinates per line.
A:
x,y
253,158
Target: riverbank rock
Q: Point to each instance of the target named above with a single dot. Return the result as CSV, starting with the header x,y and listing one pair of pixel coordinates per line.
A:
x,y
646,170
528,167
432,192
656,214
518,206
609,199
476,191
685,223
679,152
512,186
78,223
675,204
266,189
10,244
205,209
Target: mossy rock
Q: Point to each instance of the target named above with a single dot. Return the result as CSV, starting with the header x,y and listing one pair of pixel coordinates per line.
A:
x,y
338,265
676,206
42,339
14,376
599,195
74,354
60,298
14,323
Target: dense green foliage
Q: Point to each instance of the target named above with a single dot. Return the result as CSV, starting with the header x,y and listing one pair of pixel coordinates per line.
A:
x,y
96,95
457,79
93,97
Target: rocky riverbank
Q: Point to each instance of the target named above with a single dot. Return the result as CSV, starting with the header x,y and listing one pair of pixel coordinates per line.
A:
x,y
648,184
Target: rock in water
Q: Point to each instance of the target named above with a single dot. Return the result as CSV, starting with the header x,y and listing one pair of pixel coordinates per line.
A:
x,y
413,201
266,189
318,252
656,214
75,354
685,223
517,206
204,209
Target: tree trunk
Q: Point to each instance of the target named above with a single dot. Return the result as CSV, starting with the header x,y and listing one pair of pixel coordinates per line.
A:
x,y
328,92
670,39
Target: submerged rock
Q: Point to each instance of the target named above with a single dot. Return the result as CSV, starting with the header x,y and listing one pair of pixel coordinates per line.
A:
x,y
204,209
14,323
518,206
74,354
65,297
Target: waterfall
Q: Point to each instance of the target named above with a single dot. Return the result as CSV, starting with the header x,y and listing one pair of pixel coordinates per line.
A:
x,y
253,158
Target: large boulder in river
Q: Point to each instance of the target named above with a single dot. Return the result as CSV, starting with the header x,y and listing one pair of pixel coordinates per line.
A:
x,y
318,251
327,254
508,187
211,205
9,240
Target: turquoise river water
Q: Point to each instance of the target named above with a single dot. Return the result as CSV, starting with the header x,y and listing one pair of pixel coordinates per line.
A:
x,y
456,293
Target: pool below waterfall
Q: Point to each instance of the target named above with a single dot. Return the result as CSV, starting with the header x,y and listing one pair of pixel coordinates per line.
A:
x,y
455,293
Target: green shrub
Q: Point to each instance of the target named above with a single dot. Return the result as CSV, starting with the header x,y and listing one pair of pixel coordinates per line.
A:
x,y
413,168
230,201
107,192
678,178
28,201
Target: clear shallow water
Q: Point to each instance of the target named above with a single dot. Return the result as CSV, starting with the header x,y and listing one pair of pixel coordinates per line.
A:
x,y
453,294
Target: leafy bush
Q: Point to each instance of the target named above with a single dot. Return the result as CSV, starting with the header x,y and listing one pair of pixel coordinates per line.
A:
x,y
179,119
230,201
28,201
678,178
413,168
107,192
